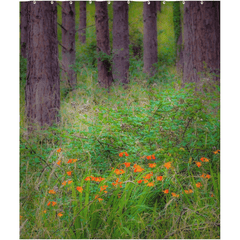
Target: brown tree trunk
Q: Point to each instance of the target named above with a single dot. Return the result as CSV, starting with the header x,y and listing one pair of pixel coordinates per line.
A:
x,y
201,39
83,22
120,42
149,37
43,84
158,6
104,64
24,27
68,42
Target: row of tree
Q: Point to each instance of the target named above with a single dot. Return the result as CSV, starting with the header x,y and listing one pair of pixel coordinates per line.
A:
x,y
39,43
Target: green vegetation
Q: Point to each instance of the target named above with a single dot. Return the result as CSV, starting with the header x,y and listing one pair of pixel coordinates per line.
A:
x,y
64,168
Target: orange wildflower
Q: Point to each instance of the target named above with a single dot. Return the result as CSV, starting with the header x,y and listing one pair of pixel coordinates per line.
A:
x,y
198,164
119,171
59,150
152,165
145,181
207,176
139,181
198,185
96,196
70,181
148,157
137,168
120,154
64,183
69,173
74,160
69,161
126,154
166,191
175,195
203,175
103,188
148,176
49,203
60,214
100,199
44,211
153,156
127,164
151,184
167,165
20,217
80,189
160,178
203,159
59,161
51,191
216,152
212,195
54,203
87,179
190,191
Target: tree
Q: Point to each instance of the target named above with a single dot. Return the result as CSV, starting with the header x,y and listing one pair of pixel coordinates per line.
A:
x,y
42,93
159,6
105,78
24,27
120,42
149,37
68,43
83,22
201,39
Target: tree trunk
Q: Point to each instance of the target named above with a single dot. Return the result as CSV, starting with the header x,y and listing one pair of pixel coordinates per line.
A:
x,y
120,42
24,27
158,6
104,64
83,22
201,39
43,85
150,37
68,42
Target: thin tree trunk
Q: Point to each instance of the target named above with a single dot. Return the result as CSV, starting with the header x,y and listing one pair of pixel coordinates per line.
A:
x,y
83,22
120,42
42,93
68,41
201,39
24,27
159,6
150,37
102,31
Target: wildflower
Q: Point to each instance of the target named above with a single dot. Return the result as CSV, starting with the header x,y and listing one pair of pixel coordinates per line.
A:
x,y
54,203
203,159
59,150
100,199
160,178
152,165
167,165
126,154
203,175
119,195
198,185
74,160
212,195
103,188
119,171
80,189
120,154
166,191
44,211
153,157
137,168
175,195
70,181
59,161
145,181
69,161
96,196
60,214
21,217
87,179
105,191
69,173
206,160
151,184
148,157
64,183
198,164
139,181
216,152
190,191
49,203
207,176
148,176
51,191
127,164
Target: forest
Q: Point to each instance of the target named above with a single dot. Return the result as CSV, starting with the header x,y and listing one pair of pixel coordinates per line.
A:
x,y
119,120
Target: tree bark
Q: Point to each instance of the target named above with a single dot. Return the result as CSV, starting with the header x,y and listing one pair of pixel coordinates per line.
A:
x,y
24,28
150,37
105,78
159,6
83,22
120,42
42,93
68,42
201,39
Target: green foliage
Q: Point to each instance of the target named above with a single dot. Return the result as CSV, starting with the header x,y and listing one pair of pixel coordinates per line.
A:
x,y
177,20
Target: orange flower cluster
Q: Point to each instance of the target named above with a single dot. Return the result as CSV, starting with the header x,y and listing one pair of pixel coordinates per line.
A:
x,y
160,178
53,203
148,176
166,191
80,189
59,161
152,165
198,164
119,171
216,152
117,183
205,176
175,195
167,165
72,160
151,184
52,191
150,157
103,188
121,154
99,199
137,168
198,185
69,173
203,159
127,164
96,179
59,150
60,214
188,191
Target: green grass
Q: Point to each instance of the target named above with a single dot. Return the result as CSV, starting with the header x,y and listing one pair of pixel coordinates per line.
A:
x,y
152,116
